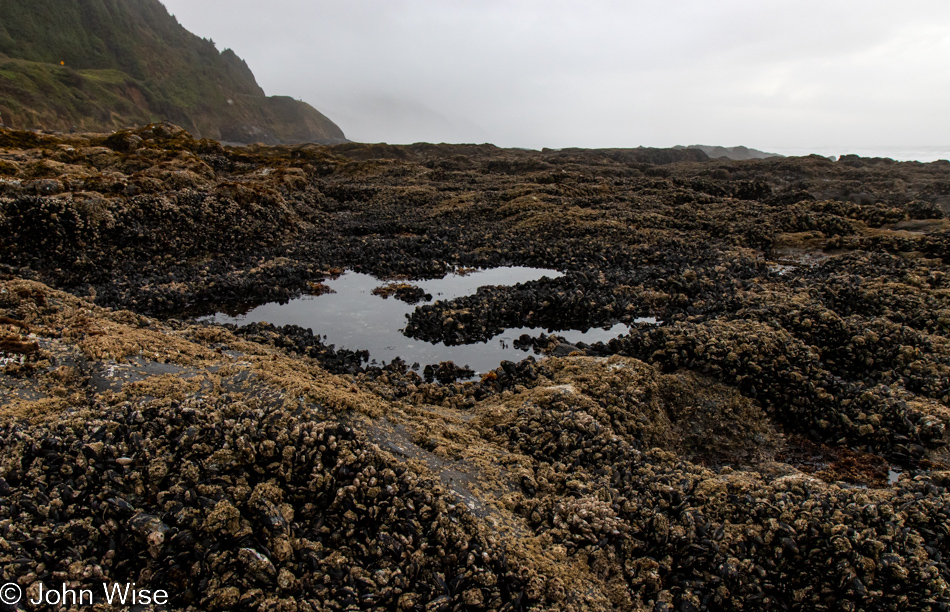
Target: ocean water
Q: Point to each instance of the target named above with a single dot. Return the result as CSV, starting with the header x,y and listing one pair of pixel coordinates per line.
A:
x,y
920,153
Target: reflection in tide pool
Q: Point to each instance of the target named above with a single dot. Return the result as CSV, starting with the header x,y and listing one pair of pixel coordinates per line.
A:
x,y
355,319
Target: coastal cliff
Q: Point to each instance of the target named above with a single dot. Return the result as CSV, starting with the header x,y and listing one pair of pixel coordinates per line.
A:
x,y
103,65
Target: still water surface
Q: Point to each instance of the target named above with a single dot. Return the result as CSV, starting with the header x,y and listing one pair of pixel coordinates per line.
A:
x,y
355,319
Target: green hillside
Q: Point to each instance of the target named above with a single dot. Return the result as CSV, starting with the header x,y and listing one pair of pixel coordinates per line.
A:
x,y
107,64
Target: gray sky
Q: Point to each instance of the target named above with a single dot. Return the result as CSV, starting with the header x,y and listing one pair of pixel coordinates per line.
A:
x,y
602,73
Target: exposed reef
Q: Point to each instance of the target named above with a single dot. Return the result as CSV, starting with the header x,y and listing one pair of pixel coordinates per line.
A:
x,y
776,440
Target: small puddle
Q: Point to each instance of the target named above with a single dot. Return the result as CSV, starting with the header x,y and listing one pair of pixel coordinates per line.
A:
x,y
355,319
782,269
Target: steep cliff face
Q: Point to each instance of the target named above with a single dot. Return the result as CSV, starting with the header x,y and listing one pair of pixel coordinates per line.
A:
x,y
107,64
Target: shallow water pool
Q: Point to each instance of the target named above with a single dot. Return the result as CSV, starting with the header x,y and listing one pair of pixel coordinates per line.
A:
x,y
355,319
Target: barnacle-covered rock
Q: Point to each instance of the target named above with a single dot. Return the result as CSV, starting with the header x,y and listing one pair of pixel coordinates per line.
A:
x,y
770,432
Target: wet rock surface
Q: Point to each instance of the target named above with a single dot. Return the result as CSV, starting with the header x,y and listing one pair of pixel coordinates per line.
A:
x,y
777,441
409,294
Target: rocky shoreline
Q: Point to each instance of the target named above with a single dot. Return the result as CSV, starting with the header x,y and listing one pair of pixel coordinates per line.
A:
x,y
777,442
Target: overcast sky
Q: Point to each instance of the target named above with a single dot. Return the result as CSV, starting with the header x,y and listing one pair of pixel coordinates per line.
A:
x,y
770,74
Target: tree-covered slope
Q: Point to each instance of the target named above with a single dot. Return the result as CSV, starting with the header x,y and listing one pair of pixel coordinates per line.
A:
x,y
105,64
